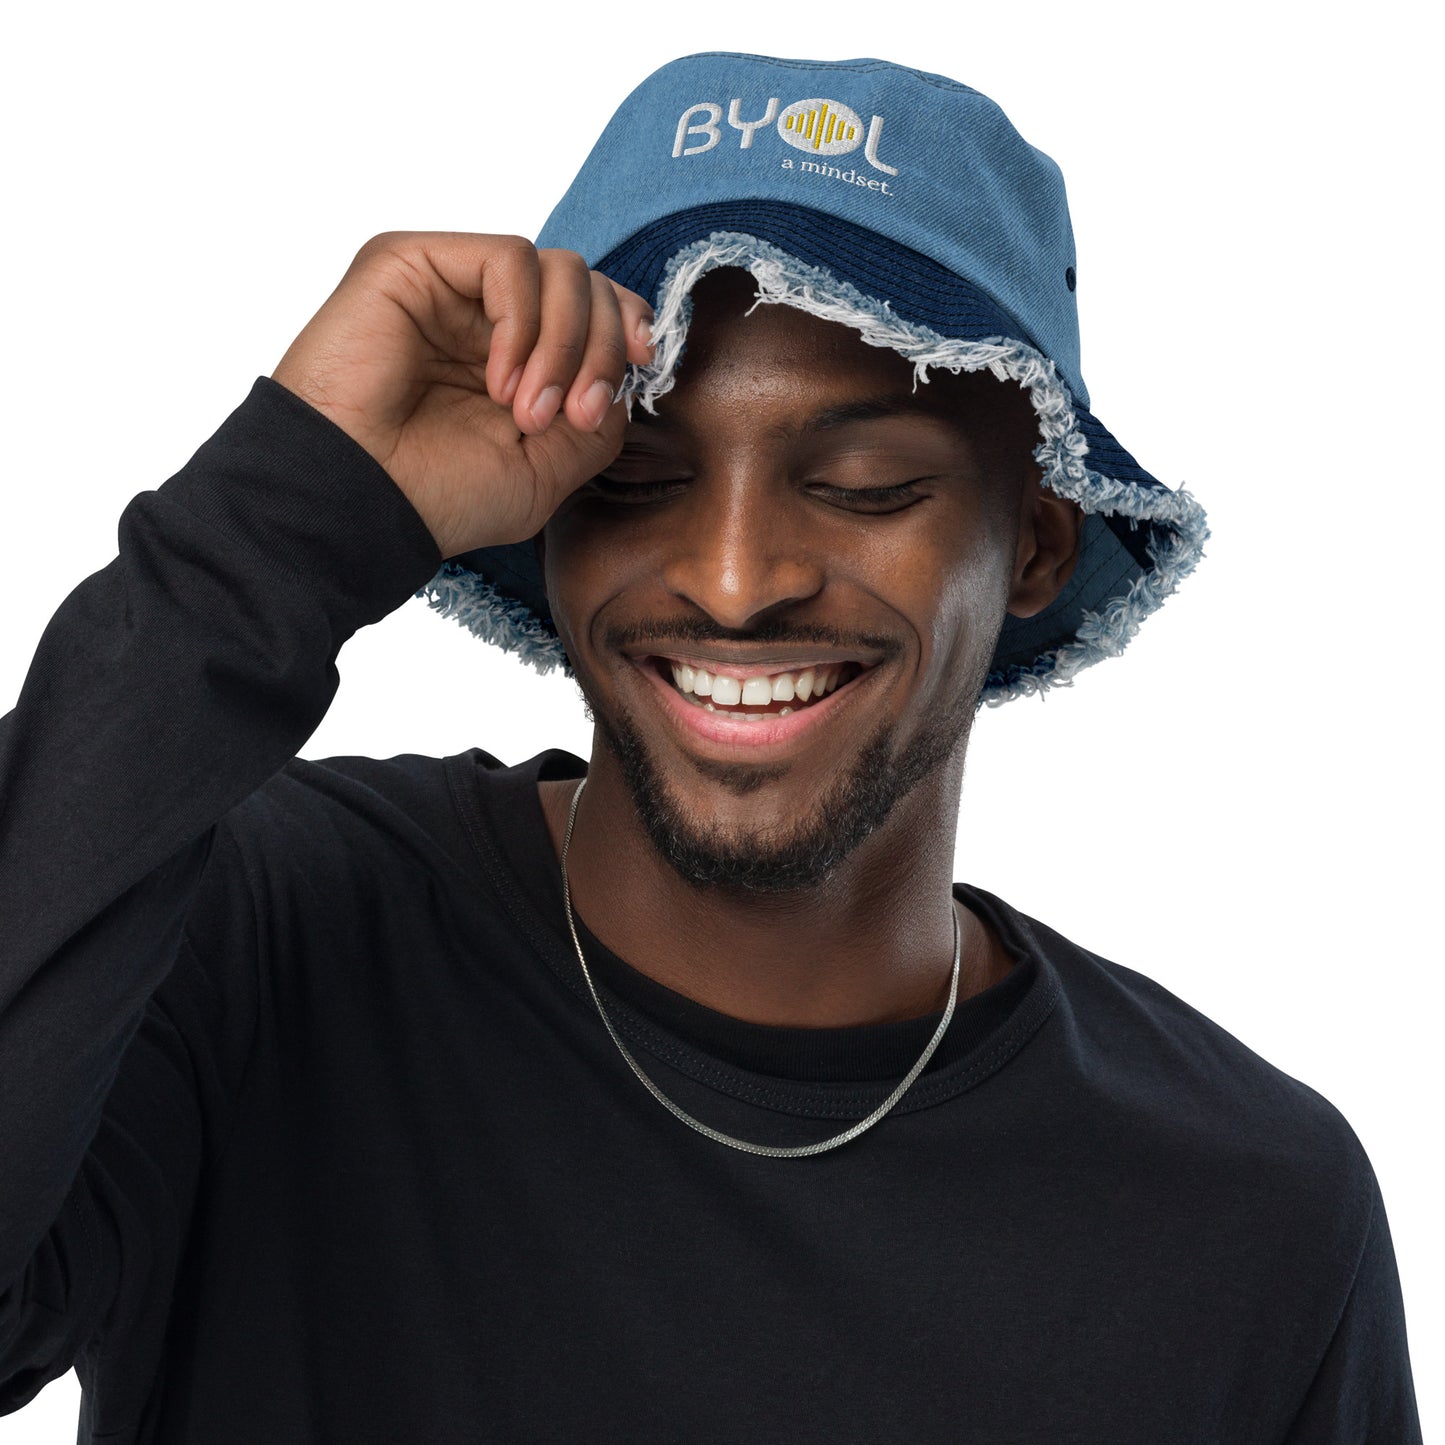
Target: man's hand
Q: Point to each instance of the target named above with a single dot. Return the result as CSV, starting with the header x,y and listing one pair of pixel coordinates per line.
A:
x,y
478,371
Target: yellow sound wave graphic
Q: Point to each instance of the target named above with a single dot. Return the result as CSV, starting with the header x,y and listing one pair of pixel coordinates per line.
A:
x,y
820,127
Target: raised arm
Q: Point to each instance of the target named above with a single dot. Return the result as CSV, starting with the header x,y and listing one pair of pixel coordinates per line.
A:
x,y
176,681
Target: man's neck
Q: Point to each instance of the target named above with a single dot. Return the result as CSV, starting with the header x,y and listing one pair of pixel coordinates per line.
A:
x,y
871,944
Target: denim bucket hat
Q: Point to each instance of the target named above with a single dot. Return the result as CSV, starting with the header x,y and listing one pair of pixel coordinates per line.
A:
x,y
905,206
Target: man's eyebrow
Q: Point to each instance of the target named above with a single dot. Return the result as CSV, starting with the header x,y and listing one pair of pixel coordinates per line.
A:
x,y
871,409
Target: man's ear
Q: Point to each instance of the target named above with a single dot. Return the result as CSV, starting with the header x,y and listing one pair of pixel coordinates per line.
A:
x,y
1048,549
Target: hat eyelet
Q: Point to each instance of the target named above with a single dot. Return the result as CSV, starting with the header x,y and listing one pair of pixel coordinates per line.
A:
x,y
1070,280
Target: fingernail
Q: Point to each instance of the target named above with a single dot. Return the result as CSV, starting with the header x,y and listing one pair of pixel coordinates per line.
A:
x,y
545,407
595,403
510,389
644,331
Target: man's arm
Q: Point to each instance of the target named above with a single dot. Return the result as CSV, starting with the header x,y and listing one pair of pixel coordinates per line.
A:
x,y
173,683
167,687
1363,1392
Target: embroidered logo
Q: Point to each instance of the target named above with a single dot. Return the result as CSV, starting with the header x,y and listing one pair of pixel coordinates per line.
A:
x,y
821,125
824,127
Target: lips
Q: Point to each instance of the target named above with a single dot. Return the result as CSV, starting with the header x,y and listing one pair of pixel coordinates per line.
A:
x,y
713,701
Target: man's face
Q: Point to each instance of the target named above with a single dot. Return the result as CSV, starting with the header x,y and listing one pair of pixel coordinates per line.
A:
x,y
781,600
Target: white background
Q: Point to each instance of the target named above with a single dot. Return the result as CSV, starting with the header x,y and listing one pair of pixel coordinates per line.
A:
x,y
1245,806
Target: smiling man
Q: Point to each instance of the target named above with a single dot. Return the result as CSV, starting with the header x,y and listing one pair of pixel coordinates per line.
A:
x,y
680,1095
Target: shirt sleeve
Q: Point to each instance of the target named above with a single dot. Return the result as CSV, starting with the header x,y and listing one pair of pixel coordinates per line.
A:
x,y
167,688
1363,1392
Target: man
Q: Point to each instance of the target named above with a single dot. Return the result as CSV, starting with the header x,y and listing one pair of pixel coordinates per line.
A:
x,y
441,1100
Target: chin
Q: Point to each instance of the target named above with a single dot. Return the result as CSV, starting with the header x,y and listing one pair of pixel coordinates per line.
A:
x,y
730,854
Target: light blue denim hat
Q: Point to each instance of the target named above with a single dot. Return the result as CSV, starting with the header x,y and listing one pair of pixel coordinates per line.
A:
x,y
905,206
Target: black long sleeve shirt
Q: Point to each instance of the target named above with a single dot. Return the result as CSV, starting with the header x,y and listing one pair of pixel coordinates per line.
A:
x,y
310,1132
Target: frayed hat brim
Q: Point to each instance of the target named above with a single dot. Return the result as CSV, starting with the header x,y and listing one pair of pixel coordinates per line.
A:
x,y
1140,540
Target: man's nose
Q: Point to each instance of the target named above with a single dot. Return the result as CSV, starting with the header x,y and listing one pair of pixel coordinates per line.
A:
x,y
740,551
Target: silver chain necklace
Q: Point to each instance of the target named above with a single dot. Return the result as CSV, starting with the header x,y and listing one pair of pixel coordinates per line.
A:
x,y
772,1151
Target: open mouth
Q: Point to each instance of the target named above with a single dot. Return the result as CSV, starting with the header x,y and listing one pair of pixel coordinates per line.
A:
x,y
764,694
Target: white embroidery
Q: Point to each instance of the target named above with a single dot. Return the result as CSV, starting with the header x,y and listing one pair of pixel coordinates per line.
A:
x,y
817,126
709,127
749,126
870,150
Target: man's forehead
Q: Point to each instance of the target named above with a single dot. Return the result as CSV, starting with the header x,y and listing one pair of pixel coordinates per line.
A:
x,y
826,416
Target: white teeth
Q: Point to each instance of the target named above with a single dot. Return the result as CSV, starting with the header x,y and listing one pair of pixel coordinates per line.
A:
x,y
784,711
727,691
811,683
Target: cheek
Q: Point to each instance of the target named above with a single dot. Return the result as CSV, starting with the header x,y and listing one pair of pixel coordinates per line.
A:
x,y
964,598
586,565
565,576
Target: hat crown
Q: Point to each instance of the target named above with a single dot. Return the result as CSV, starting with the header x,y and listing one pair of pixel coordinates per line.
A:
x,y
920,159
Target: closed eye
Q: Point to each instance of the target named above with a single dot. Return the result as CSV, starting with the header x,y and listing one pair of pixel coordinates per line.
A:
x,y
612,490
876,500
872,499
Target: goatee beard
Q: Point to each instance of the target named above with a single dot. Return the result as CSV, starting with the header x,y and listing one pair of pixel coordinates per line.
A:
x,y
775,862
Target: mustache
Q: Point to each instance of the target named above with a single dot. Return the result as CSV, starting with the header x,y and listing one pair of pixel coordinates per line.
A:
x,y
779,630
